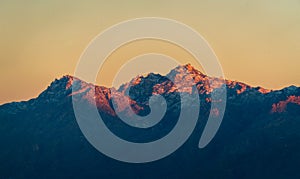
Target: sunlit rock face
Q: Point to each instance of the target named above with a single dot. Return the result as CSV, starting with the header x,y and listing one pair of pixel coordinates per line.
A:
x,y
258,138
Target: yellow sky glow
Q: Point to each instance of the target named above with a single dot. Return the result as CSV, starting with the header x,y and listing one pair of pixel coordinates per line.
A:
x,y
257,41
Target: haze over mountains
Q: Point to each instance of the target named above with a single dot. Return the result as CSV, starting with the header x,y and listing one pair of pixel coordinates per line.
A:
x,y
259,135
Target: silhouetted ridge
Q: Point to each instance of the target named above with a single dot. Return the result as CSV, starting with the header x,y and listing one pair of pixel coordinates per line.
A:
x,y
258,138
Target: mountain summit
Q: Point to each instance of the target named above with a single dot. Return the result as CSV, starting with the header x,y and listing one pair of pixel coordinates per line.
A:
x,y
258,138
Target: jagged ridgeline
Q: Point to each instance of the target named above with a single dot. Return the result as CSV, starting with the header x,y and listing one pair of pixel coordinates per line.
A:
x,y
259,136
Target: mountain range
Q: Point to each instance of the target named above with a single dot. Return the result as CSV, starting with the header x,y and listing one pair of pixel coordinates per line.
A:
x,y
259,136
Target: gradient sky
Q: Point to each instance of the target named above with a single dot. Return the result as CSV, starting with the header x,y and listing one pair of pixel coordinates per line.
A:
x,y
257,41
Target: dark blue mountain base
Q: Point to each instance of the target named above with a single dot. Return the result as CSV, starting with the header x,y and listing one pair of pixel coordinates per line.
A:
x,y
41,139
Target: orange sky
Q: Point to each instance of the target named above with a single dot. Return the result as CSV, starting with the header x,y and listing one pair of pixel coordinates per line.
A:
x,y
257,41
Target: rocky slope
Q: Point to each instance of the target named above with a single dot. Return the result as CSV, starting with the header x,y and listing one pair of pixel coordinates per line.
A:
x,y
259,136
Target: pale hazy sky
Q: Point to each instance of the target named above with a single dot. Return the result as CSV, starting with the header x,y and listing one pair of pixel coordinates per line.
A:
x,y
257,41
